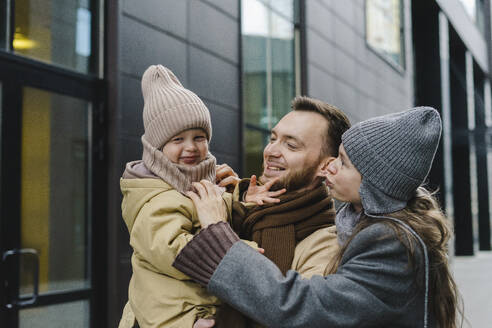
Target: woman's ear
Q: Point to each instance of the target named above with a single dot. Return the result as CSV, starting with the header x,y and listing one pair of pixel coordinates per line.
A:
x,y
323,166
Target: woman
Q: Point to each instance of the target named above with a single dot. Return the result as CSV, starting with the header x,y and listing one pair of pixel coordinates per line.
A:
x,y
392,268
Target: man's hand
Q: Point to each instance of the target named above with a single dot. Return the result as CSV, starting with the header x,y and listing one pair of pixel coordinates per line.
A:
x,y
226,177
262,194
208,201
204,323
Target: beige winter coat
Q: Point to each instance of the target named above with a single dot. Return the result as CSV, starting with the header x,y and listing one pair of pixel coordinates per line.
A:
x,y
166,222
161,221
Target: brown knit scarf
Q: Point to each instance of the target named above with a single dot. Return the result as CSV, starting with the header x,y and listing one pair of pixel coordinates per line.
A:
x,y
278,228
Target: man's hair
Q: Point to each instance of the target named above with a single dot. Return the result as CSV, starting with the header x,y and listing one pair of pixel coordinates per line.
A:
x,y
337,122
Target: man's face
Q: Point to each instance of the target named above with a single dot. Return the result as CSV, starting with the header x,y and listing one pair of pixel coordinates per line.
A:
x,y
293,154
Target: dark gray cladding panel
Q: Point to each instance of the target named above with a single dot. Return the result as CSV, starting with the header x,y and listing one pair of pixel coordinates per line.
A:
x,y
345,10
131,150
213,78
168,15
229,6
131,107
142,46
343,70
319,13
213,30
321,84
226,129
232,161
321,52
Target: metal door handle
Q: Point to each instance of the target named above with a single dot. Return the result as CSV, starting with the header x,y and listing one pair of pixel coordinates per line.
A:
x,y
30,252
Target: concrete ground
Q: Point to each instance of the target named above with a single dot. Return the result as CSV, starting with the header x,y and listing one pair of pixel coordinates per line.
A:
x,y
473,274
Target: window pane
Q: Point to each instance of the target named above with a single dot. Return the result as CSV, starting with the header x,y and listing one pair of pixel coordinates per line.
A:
x,y
384,28
73,315
285,8
268,61
255,43
54,31
283,80
54,192
268,78
255,142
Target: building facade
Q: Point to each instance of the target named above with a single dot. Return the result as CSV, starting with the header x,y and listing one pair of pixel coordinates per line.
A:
x,y
71,109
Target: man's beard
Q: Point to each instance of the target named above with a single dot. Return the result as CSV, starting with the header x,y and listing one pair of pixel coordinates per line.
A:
x,y
295,180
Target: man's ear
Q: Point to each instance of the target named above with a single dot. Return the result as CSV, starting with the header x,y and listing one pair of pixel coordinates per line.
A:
x,y
323,166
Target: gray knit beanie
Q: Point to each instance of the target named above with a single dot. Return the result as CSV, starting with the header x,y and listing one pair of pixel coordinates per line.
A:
x,y
394,154
169,109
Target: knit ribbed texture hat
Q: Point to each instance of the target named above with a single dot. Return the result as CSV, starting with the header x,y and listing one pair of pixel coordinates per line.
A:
x,y
169,109
394,154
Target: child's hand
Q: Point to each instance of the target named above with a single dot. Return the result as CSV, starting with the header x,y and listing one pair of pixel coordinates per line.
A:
x,y
262,194
226,177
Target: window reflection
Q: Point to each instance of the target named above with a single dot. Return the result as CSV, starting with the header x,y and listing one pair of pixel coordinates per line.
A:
x,y
54,31
268,71
384,28
54,190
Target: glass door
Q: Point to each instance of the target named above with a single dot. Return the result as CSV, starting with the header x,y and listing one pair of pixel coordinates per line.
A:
x,y
47,270
54,214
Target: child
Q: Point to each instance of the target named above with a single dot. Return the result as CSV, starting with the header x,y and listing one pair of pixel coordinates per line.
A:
x,y
160,218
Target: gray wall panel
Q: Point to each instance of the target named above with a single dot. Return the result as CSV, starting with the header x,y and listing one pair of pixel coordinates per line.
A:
x,y
353,77
345,10
321,84
164,14
213,78
345,67
345,36
317,13
131,107
131,151
213,30
142,46
230,7
232,161
321,52
225,135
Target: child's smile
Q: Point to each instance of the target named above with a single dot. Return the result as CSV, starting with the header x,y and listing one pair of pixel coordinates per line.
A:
x,y
189,147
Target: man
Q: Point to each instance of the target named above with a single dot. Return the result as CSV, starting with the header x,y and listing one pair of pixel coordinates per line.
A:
x,y
297,233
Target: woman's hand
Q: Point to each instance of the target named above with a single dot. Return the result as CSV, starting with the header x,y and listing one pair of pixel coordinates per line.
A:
x,y
226,177
204,323
209,204
262,194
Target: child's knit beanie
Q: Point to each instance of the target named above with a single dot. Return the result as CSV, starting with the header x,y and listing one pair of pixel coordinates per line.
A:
x,y
169,109
394,154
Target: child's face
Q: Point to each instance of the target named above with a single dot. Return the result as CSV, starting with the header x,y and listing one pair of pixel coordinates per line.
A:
x,y
189,147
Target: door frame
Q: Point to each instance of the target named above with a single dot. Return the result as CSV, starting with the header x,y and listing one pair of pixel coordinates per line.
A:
x,y
17,73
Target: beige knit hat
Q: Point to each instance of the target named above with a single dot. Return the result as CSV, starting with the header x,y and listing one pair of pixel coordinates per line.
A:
x,y
169,109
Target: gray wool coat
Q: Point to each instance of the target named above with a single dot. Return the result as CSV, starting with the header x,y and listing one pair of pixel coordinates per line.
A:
x,y
373,287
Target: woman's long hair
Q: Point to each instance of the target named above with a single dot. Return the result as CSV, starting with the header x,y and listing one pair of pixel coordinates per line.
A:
x,y
425,217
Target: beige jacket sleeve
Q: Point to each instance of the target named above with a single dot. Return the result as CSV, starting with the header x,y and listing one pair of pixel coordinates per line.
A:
x,y
314,254
163,227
